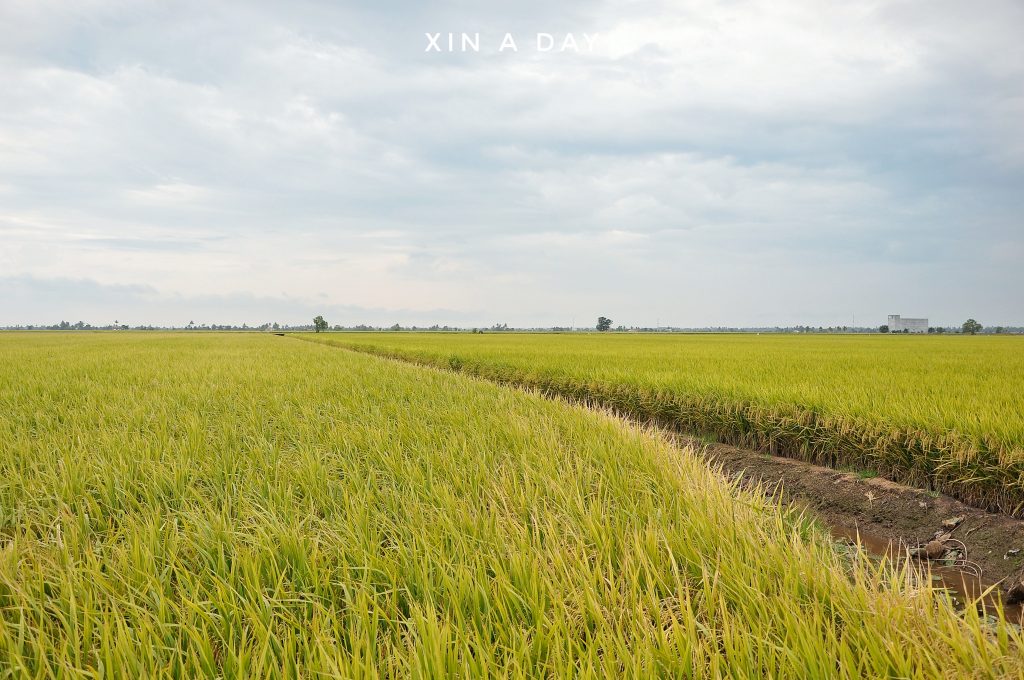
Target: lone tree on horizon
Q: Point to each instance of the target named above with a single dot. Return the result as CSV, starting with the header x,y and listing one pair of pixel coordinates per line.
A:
x,y
319,323
603,323
971,327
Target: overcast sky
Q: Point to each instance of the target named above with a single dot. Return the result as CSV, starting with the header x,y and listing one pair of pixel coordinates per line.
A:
x,y
705,163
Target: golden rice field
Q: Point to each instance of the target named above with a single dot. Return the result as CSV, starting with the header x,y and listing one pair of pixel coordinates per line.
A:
x,y
942,413
245,505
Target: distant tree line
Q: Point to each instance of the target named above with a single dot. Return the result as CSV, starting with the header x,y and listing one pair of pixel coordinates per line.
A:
x,y
603,325
969,327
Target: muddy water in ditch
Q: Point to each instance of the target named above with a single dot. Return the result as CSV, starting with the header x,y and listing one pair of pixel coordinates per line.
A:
x,y
964,586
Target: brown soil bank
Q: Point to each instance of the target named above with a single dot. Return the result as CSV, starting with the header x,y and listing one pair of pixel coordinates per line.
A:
x,y
979,473
903,518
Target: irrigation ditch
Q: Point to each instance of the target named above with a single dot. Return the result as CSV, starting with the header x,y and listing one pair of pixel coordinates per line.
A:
x,y
975,553
968,550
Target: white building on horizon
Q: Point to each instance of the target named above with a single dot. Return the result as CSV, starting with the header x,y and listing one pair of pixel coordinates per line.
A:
x,y
898,324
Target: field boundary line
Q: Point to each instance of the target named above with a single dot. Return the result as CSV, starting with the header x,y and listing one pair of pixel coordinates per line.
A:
x,y
980,474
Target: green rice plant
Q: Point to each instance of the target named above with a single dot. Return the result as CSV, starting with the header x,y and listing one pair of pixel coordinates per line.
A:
x,y
942,413
251,506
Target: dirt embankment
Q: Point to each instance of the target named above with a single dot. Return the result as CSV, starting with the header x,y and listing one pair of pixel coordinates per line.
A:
x,y
884,512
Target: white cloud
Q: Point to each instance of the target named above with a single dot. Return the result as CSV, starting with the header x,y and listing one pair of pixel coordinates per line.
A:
x,y
315,152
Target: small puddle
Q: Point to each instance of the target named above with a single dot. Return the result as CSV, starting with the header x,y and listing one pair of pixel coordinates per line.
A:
x,y
963,585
